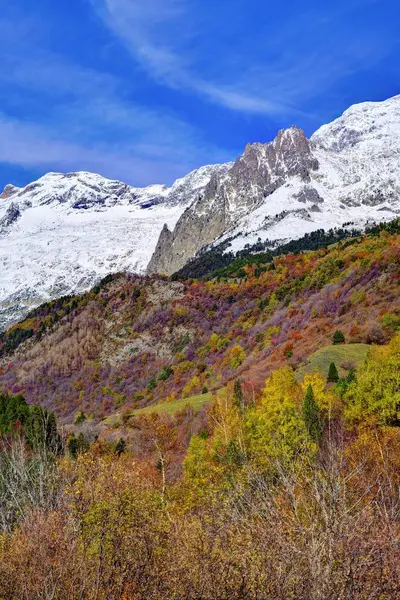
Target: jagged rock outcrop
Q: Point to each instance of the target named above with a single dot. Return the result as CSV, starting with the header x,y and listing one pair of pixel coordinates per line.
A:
x,y
13,213
163,247
348,172
255,175
8,191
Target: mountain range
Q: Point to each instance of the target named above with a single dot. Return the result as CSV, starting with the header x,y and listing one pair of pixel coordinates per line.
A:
x,y
348,172
62,233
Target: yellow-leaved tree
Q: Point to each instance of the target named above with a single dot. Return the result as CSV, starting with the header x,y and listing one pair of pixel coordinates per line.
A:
x,y
327,400
375,396
275,429
212,461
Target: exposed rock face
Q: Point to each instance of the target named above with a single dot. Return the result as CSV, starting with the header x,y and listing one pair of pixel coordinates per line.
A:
x,y
308,194
162,250
8,191
13,213
348,172
255,175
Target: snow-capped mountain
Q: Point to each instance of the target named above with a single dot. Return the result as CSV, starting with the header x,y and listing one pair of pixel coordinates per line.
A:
x,y
62,233
348,172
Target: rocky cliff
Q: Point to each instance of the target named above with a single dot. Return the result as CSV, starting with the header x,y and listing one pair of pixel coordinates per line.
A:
x,y
348,172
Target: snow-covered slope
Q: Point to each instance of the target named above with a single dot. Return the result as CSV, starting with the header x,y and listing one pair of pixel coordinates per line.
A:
x,y
62,233
348,172
357,180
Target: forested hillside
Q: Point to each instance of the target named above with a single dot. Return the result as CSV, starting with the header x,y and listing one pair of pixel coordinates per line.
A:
x,y
235,438
294,494
136,341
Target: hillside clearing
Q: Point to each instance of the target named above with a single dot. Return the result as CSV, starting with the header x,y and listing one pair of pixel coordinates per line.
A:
x,y
196,402
321,359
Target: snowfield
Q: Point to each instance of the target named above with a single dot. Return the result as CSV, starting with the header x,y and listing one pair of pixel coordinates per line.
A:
x,y
63,233
50,253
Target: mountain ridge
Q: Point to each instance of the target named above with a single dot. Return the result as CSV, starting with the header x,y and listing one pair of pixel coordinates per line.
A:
x,y
347,172
63,232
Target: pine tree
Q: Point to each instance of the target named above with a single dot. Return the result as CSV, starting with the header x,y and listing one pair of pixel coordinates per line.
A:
x,y
238,395
72,446
80,417
120,447
333,375
351,377
338,337
312,415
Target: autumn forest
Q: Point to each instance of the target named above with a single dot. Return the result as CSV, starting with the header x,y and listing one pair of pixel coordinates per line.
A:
x,y
229,433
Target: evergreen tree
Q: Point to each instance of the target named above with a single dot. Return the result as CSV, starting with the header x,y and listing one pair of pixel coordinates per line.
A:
x,y
312,415
77,445
238,395
80,417
351,377
120,447
40,430
83,443
338,337
333,375
72,446
13,409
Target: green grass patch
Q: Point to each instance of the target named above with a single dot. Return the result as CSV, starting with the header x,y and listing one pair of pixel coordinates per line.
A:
x,y
321,359
170,408
196,402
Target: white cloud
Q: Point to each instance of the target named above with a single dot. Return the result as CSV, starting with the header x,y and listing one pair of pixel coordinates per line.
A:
x,y
300,60
154,151
88,123
34,146
162,35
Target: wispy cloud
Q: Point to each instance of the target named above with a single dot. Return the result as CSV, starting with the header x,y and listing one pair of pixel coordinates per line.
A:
x,y
36,146
270,74
86,122
162,35
71,110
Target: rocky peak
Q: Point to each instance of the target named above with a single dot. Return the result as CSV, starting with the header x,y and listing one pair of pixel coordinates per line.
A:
x,y
9,191
349,171
13,213
256,174
164,243
293,153
192,185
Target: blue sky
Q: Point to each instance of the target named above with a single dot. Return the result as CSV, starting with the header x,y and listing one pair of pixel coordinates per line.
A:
x,y
146,90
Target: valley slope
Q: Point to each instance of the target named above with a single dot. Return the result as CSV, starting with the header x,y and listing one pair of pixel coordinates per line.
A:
x,y
135,341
